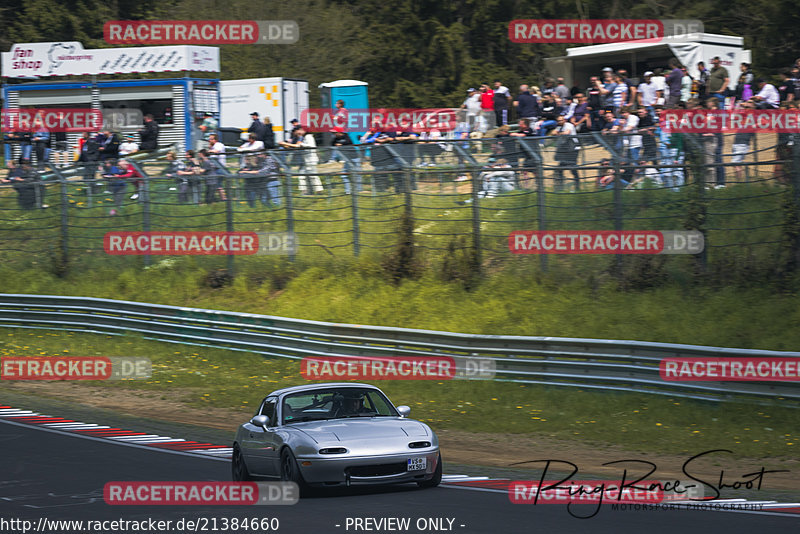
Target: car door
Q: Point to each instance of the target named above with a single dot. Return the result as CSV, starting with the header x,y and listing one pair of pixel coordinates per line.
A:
x,y
259,443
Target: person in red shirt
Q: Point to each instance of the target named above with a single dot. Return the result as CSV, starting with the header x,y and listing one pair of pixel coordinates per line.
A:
x,y
487,107
126,170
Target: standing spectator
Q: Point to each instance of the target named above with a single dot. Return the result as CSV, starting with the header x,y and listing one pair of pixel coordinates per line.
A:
x,y
487,108
796,82
607,88
254,181
256,127
24,140
647,93
567,147
502,99
208,170
216,149
594,98
744,85
60,149
473,106
128,146
253,144
718,80
108,145
525,130
270,171
269,134
561,89
767,96
661,86
526,104
581,116
674,81
741,145
629,125
209,126
787,88
686,86
548,87
345,151
647,127
619,95
128,171
87,159
702,81
610,129
310,160
712,147
149,134
632,87
23,180
549,113
41,142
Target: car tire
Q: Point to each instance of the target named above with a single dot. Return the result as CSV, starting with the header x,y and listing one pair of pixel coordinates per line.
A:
x,y
436,479
239,471
290,471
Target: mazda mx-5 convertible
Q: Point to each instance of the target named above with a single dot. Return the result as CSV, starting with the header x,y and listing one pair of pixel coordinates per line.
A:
x,y
335,435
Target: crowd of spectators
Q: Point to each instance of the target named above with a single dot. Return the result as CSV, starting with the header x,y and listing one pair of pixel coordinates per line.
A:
x,y
620,112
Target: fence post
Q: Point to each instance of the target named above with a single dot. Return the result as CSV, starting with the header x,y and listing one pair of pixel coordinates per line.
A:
x,y
146,211
289,209
354,206
64,222
229,218
541,201
476,220
618,213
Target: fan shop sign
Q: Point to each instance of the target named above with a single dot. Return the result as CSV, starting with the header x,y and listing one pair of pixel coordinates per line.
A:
x,y
69,58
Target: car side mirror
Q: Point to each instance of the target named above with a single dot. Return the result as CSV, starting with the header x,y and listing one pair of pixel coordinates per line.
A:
x,y
260,420
403,410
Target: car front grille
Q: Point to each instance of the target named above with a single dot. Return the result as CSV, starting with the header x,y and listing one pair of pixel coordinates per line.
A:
x,y
378,470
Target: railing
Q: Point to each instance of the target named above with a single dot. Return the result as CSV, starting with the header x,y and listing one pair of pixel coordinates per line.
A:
x,y
592,364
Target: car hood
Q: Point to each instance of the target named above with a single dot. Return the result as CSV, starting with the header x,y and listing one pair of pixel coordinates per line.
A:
x,y
363,429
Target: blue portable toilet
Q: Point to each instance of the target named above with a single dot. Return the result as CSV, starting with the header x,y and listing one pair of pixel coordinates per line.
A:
x,y
354,94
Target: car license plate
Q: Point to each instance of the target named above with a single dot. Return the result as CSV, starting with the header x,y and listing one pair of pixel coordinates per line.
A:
x,y
417,464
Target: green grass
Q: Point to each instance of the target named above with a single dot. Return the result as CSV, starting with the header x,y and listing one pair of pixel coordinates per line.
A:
x,y
203,377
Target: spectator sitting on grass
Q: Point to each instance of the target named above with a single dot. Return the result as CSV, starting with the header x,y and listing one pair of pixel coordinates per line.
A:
x,y
608,175
126,170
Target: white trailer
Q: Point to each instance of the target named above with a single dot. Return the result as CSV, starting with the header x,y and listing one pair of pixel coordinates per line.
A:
x,y
638,57
280,99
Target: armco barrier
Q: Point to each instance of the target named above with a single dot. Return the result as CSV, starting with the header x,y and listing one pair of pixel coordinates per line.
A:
x,y
590,364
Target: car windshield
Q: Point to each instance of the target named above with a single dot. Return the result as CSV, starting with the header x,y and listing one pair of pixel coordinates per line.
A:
x,y
335,403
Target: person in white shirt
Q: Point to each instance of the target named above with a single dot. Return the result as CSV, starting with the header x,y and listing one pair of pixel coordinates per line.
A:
x,y
661,87
128,146
767,96
686,86
216,149
252,145
310,160
473,106
647,93
630,126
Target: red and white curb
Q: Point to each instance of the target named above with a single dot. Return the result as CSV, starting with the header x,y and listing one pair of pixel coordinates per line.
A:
x,y
221,452
119,435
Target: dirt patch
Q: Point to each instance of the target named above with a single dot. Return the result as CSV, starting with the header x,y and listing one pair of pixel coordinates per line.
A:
x,y
467,448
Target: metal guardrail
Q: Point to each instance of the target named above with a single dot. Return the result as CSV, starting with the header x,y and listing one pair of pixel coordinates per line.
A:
x,y
630,366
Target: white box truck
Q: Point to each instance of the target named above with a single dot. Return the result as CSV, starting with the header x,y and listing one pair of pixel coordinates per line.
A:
x,y
280,99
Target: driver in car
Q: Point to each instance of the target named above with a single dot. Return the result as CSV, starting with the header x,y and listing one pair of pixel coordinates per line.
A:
x,y
352,404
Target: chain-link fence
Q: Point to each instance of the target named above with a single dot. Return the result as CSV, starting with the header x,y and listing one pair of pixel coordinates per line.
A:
x,y
457,199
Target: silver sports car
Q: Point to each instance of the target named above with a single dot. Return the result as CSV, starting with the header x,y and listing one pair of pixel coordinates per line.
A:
x,y
336,434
